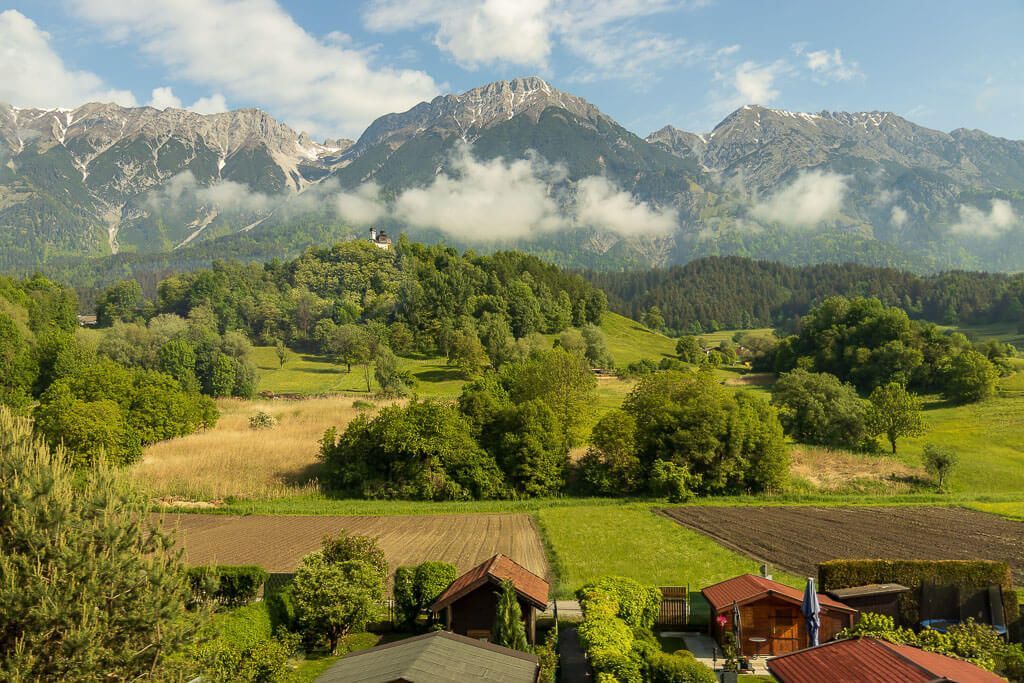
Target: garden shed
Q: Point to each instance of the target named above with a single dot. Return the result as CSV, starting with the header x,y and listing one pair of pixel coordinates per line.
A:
x,y
879,598
771,621
469,604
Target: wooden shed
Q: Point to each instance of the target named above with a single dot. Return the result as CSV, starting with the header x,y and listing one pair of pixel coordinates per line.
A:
x,y
470,603
771,621
879,598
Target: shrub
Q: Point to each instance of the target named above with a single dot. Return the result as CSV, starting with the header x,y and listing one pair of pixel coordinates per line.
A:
x,y
226,585
262,420
672,481
547,653
939,462
637,605
360,404
416,588
244,649
406,606
679,667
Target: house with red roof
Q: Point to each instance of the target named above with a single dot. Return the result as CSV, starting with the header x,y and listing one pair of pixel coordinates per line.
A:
x,y
869,660
771,621
468,606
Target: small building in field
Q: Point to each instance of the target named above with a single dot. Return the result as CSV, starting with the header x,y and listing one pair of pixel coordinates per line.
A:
x,y
878,598
438,657
771,621
469,604
869,660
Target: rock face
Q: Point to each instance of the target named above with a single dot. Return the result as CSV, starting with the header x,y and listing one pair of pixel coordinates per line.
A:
x,y
476,110
103,178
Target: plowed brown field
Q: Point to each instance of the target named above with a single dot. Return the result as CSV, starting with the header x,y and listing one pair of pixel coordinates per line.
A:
x,y
278,542
797,538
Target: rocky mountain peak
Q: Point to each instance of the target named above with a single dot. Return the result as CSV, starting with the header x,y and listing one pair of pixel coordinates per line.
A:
x,y
468,113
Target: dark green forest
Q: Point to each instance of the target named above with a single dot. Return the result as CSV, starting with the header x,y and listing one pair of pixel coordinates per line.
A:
x,y
733,292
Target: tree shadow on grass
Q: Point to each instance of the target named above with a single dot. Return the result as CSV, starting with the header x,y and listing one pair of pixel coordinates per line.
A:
x,y
439,375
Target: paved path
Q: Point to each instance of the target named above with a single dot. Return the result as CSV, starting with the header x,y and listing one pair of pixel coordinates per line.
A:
x,y
573,665
703,648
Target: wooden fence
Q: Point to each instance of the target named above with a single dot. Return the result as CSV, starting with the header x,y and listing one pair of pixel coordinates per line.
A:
x,y
675,606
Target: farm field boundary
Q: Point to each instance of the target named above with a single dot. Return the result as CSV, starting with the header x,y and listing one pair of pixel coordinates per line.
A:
x,y
796,539
278,543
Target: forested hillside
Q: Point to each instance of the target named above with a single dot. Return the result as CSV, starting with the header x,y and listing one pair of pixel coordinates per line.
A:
x,y
733,292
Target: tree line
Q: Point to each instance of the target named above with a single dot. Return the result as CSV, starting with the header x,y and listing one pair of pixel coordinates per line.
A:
x,y
738,293
511,431
110,397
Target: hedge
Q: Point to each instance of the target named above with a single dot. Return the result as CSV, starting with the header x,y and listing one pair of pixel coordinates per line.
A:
x,y
967,574
227,585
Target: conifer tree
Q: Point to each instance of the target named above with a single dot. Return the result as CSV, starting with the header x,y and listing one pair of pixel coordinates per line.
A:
x,y
509,629
89,589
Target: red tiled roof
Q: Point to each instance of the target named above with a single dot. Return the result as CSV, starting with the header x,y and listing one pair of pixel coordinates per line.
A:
x,y
869,660
747,587
495,570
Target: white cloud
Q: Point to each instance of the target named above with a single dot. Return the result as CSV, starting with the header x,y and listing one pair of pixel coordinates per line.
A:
x,y
362,206
601,205
474,33
225,196
484,200
253,50
828,65
34,75
813,198
164,98
974,222
749,83
898,216
214,104
478,33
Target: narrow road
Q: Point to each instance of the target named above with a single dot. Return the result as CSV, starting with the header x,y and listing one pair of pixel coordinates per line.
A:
x,y
573,665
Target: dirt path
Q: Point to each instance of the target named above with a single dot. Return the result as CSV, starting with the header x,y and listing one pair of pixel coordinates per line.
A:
x,y
797,538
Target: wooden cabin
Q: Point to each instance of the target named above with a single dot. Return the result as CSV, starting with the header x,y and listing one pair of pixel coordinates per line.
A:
x,y
469,604
771,620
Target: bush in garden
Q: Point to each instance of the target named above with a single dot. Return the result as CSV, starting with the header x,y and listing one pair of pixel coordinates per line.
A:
x,y
416,588
678,667
231,586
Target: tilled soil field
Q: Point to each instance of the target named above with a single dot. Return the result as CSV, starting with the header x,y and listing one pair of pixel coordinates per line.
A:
x,y
278,542
797,538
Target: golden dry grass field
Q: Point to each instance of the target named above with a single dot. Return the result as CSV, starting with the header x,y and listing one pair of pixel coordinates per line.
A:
x,y
235,460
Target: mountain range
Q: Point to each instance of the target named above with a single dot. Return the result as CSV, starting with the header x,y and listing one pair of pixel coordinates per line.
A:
x,y
871,187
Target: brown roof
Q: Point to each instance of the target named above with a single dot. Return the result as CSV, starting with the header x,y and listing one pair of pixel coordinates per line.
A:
x,y
869,660
747,588
869,589
495,570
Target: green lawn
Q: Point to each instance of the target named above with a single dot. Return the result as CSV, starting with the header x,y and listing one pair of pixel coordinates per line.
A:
x,y
630,540
1013,510
989,438
309,373
629,341
1004,332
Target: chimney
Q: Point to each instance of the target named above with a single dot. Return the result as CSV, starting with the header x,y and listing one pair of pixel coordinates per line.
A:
x,y
373,234
764,572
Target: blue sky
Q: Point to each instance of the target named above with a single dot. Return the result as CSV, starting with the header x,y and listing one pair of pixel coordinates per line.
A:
x,y
332,67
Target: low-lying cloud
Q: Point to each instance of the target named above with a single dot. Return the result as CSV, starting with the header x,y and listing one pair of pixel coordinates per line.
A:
x,y
975,222
601,205
815,197
475,200
183,191
484,200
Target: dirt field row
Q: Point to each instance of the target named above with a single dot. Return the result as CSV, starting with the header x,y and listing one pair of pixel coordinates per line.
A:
x,y
798,538
278,542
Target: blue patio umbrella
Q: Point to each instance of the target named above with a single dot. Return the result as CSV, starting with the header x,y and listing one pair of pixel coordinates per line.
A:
x,y
812,612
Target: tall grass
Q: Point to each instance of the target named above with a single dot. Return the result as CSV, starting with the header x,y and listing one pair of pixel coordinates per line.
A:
x,y
234,460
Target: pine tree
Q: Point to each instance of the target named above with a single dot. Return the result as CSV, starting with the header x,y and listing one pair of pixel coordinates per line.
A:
x,y
509,629
89,590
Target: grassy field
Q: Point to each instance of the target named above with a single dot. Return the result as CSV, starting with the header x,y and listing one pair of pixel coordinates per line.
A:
x,y
1011,510
234,460
585,543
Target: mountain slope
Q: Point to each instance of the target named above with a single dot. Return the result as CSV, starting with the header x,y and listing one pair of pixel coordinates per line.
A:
x,y
801,188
